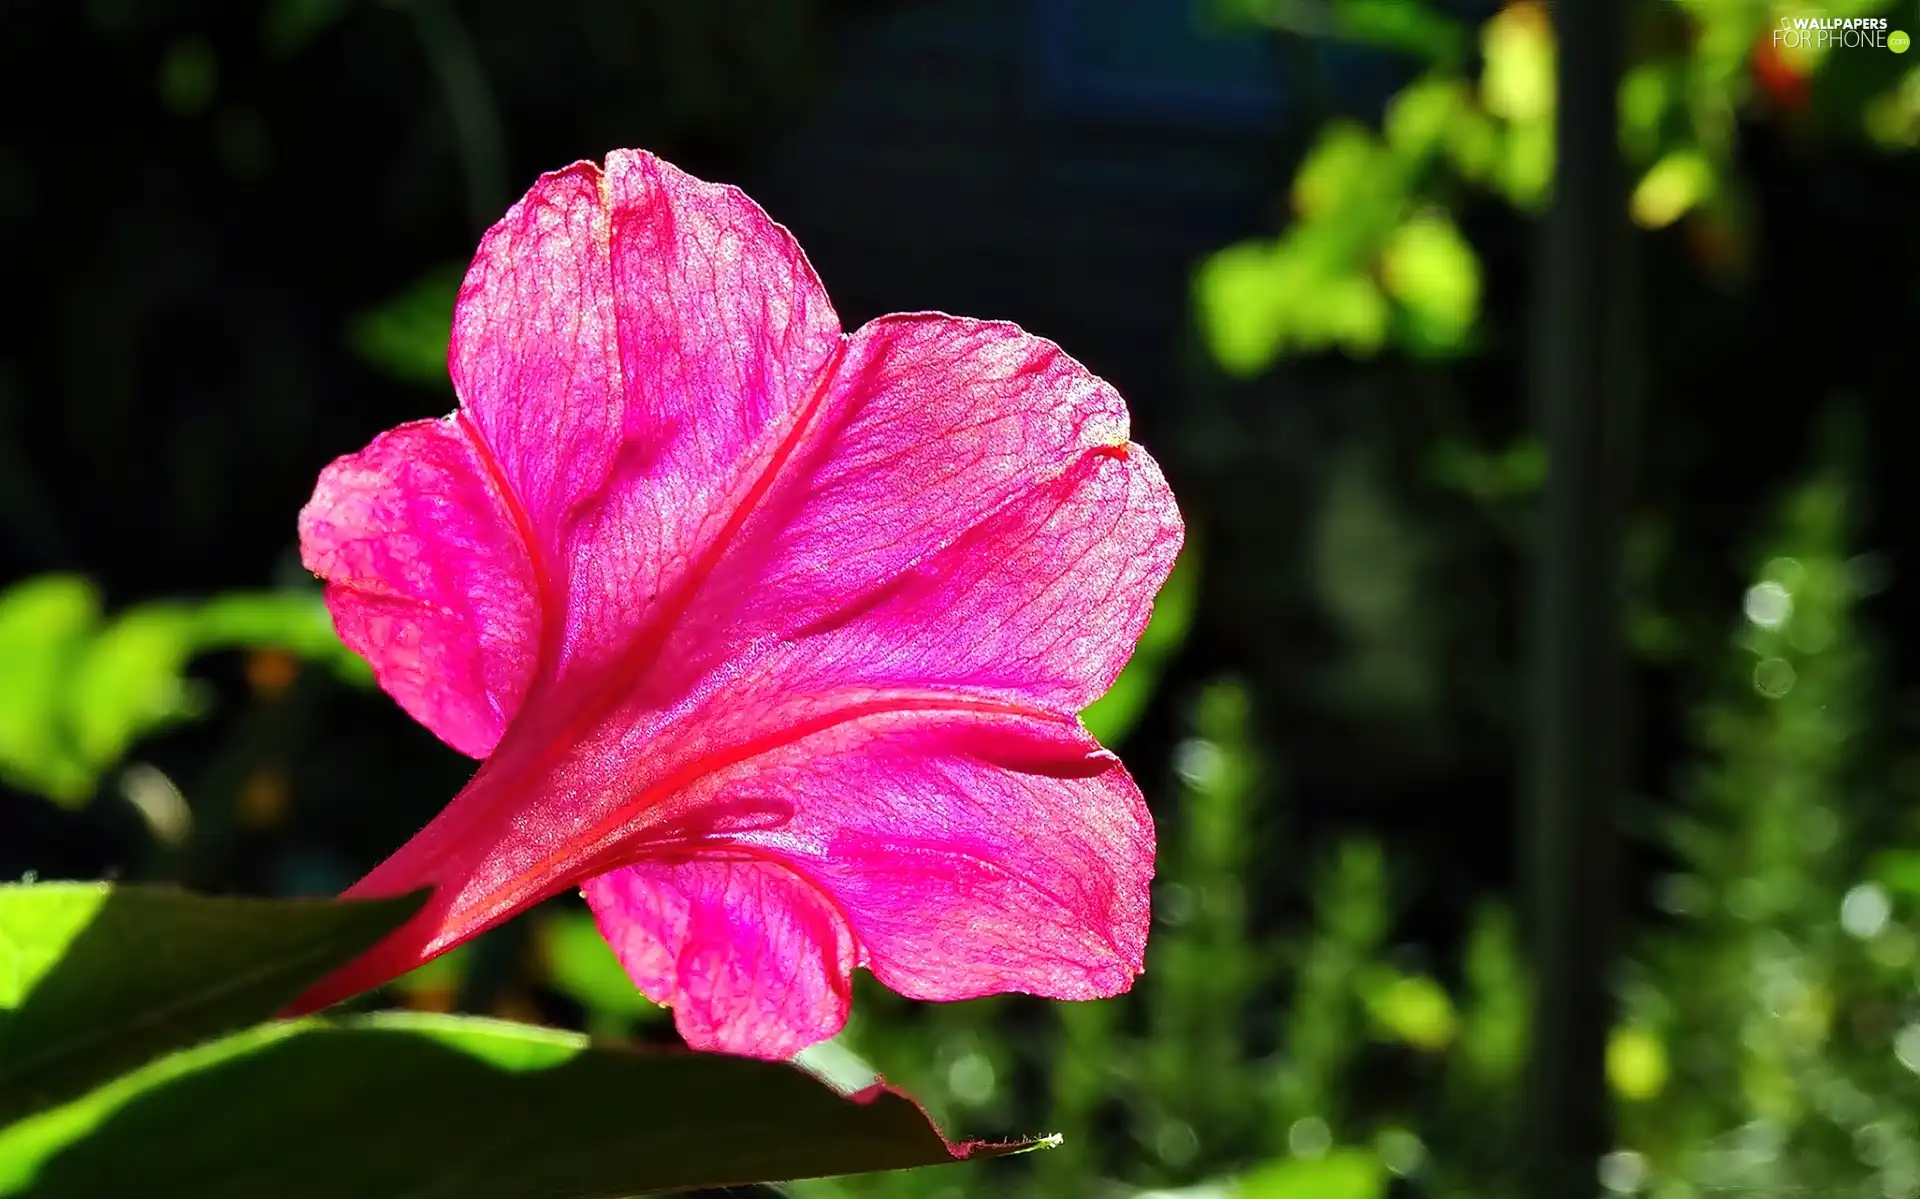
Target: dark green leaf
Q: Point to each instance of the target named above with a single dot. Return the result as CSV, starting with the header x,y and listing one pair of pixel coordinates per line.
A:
x,y
407,336
455,1107
96,980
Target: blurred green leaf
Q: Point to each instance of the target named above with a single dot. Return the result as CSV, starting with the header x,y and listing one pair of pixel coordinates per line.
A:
x,y
1345,160
1517,86
128,681
1474,145
1516,82
1493,1027
580,962
1352,313
1647,91
1636,1063
1411,1008
1488,476
95,980
1898,871
836,1064
425,1105
1403,25
1341,1174
296,621
1240,302
1671,188
44,625
1420,116
1406,26
1525,168
80,692
189,75
1111,717
407,336
289,25
1429,267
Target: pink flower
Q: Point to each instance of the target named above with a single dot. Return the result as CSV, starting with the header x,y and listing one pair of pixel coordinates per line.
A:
x,y
772,636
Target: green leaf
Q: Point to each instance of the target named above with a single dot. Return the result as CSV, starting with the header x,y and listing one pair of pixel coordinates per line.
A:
x,y
1410,1008
1647,91
95,980
44,626
1518,79
1402,25
1671,188
1897,871
1240,298
580,962
189,76
290,25
129,682
1349,311
1341,1174
407,336
1433,272
1636,1063
81,691
1419,118
1346,161
1493,1032
442,1106
1111,717
1406,26
1489,476
296,621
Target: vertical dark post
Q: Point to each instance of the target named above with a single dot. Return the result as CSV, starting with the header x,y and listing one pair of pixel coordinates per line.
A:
x,y
1575,771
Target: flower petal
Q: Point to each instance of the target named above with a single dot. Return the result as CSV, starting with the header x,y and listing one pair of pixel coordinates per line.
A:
x,y
1013,863
429,580
632,349
752,959
777,536
974,858
636,346
534,356
971,512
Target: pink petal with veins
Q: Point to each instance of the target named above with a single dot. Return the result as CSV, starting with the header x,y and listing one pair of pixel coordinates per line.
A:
x,y
774,638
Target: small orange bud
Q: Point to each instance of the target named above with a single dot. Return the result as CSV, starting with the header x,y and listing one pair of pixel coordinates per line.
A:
x,y
271,671
1785,84
263,799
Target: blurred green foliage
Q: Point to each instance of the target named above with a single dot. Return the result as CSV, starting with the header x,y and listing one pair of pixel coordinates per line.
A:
x,y
82,688
1772,1008
1201,1084
581,964
1765,1046
407,336
1111,717
1372,257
